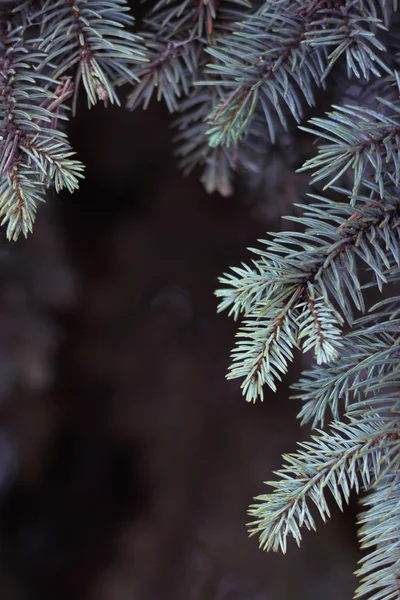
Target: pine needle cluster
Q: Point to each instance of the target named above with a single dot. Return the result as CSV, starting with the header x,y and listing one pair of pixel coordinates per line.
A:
x,y
238,74
49,50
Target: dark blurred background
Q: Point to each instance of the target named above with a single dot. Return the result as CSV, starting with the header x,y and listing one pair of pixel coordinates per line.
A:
x,y
127,461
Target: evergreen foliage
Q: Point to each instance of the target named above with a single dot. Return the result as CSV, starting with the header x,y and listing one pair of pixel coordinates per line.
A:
x,y
47,49
239,74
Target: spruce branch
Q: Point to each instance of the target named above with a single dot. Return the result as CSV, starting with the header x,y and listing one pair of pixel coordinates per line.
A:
x,y
324,256
277,57
318,324
176,34
265,346
380,533
220,164
273,69
34,153
362,141
248,285
89,39
19,194
192,146
350,28
351,455
170,70
368,356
